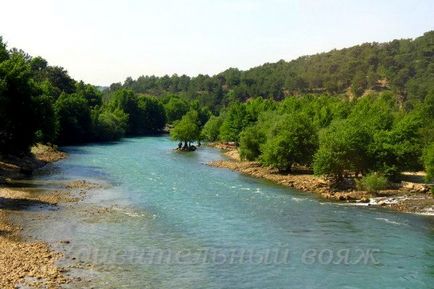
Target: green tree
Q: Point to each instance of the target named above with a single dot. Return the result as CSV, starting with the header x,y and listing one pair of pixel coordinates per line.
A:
x,y
342,149
293,140
151,115
74,117
235,120
110,125
17,115
187,129
176,108
45,118
428,162
251,140
211,130
90,93
359,83
59,79
398,149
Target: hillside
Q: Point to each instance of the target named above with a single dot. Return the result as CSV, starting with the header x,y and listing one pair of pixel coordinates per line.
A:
x,y
403,66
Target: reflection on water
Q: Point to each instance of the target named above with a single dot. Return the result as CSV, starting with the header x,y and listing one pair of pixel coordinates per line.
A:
x,y
170,221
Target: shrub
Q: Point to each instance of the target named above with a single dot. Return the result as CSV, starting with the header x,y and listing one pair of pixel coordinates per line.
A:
x,y
372,183
428,161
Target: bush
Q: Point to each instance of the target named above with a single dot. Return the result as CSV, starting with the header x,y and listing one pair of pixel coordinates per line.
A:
x,y
372,183
428,161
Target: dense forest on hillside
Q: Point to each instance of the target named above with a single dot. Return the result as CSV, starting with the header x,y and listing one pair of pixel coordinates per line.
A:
x,y
402,66
367,110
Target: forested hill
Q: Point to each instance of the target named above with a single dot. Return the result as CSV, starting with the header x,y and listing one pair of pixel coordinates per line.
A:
x,y
403,66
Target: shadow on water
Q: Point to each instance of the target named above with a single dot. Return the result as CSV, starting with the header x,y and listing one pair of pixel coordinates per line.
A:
x,y
79,150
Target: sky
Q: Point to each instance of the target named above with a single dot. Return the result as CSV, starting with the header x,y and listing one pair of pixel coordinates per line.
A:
x,y
105,41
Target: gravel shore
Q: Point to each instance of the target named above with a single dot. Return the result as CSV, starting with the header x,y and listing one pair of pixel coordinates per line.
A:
x,y
25,263
406,197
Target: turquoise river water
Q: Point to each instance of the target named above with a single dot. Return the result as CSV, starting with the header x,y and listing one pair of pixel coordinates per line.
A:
x,y
167,220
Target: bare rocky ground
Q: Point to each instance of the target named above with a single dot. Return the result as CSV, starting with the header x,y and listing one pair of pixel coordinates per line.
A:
x,y
28,263
411,195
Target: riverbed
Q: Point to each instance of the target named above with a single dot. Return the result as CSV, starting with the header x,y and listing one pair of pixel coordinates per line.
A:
x,y
164,219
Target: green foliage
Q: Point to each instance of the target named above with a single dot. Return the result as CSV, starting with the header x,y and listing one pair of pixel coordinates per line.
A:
x,y
59,79
359,83
176,108
152,116
46,120
235,120
403,66
342,148
211,130
90,93
110,125
17,116
146,115
187,129
294,139
4,54
251,140
73,114
372,183
280,113
399,148
428,162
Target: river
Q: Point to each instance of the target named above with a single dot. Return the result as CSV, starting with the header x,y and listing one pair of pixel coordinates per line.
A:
x,y
174,222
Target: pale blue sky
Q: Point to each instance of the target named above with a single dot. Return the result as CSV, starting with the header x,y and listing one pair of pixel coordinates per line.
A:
x,y
104,41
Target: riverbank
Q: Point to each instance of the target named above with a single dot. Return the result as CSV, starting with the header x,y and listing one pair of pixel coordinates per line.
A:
x,y
15,167
24,262
406,196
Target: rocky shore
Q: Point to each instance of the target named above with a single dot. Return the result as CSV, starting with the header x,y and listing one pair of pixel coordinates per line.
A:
x,y
406,196
25,263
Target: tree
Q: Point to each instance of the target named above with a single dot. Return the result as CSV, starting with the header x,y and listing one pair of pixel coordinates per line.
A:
x,y
74,117
110,125
4,54
127,101
151,115
17,115
60,80
342,148
235,120
398,149
251,140
45,119
293,140
359,83
176,108
428,162
187,129
90,93
211,130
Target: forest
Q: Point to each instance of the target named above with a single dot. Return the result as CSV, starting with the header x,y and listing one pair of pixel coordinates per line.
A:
x,y
367,110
